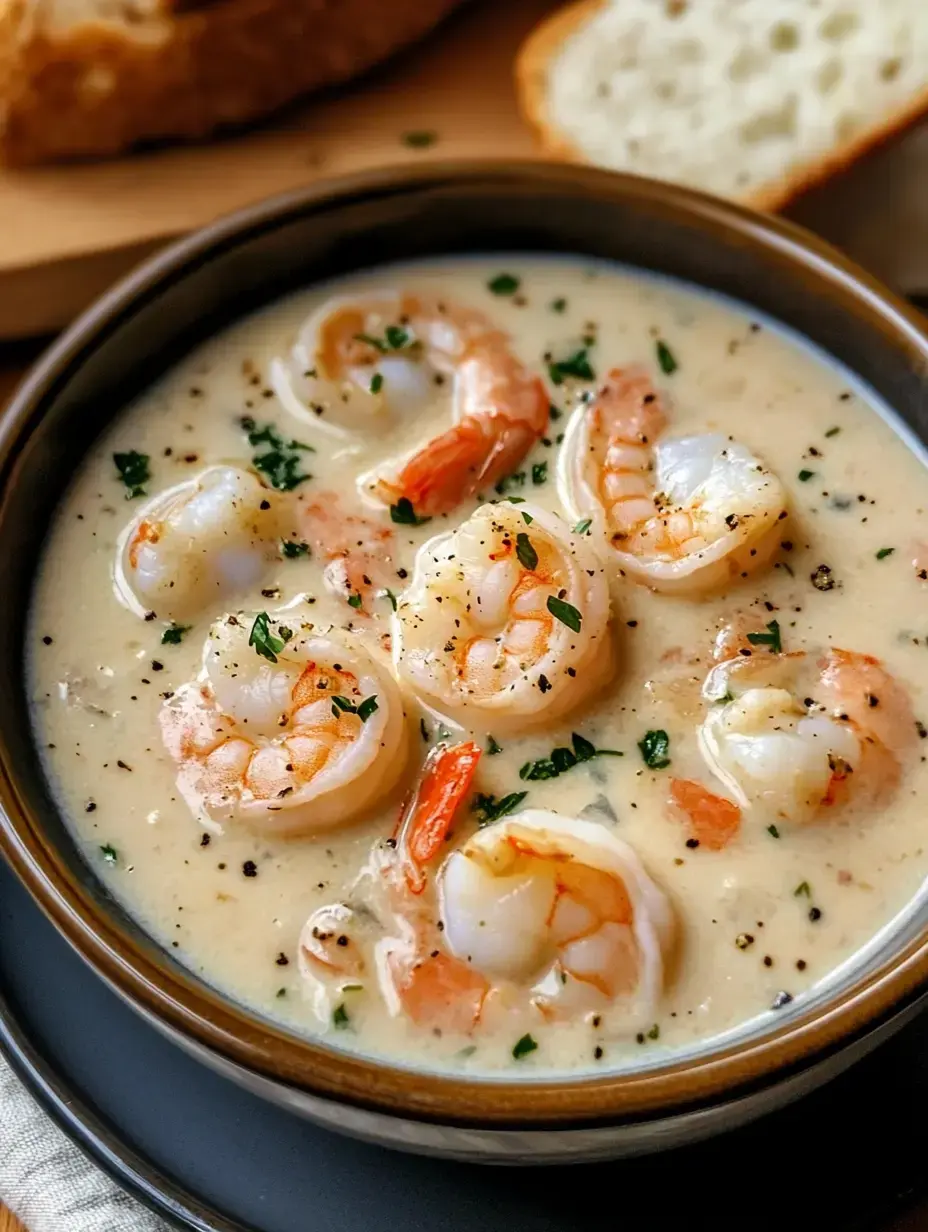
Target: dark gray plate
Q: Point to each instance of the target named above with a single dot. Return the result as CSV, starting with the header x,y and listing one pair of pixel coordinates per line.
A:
x,y
212,1157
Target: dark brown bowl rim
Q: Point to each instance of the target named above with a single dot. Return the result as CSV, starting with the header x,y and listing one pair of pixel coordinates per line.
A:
x,y
209,1020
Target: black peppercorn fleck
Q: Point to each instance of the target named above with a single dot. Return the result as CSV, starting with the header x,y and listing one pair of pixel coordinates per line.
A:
x,y
250,869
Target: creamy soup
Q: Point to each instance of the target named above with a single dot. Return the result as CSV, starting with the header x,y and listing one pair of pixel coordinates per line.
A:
x,y
627,755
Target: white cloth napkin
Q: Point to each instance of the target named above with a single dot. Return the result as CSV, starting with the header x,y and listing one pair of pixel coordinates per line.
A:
x,y
48,1183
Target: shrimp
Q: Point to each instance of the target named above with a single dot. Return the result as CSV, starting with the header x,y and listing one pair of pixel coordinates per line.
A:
x,y
358,552
506,618
800,738
204,540
393,351
687,514
286,730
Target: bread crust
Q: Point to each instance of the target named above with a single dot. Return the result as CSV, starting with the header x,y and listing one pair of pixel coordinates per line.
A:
x,y
545,41
101,87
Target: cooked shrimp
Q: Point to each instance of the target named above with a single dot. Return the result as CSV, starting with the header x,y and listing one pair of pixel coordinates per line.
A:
x,y
506,618
368,358
800,738
358,551
198,542
285,730
687,513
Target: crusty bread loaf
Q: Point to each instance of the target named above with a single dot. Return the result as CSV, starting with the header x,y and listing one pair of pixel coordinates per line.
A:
x,y
750,99
93,77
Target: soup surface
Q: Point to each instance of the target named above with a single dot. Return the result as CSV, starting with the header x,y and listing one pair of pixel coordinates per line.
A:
x,y
653,787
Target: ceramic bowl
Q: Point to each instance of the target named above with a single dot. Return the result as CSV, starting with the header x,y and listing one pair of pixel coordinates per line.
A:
x,y
197,286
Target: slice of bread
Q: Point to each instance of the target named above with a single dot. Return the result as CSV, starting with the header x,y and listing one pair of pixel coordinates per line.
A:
x,y
755,100
94,77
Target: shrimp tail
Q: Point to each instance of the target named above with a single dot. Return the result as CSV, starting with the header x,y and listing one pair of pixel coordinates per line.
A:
x,y
427,816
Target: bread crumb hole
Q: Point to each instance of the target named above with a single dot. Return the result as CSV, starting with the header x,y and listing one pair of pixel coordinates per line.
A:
x,y
829,75
747,63
771,124
838,26
784,36
889,69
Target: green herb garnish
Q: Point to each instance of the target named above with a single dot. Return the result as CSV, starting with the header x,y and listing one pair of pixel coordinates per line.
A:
x,y
490,809
404,514
388,594
654,746
539,473
516,480
583,526
376,383
420,139
527,518
504,284
492,747
174,634
367,708
832,431
771,638
280,464
666,358
655,1032
559,304
884,552
525,551
566,613
803,890
110,854
576,366
133,471
340,1018
804,476
523,1047
563,759
773,832
355,601
291,548
264,641
364,710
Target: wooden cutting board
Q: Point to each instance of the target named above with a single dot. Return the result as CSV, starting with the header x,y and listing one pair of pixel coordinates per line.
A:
x,y
67,232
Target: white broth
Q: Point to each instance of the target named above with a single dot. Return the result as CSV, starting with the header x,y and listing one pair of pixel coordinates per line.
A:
x,y
765,908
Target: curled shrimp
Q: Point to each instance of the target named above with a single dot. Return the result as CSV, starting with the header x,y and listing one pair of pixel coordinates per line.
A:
x,y
302,735
689,513
506,618
364,359
358,551
799,737
201,541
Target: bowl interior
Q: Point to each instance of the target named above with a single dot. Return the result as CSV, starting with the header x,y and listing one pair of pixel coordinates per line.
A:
x,y
198,286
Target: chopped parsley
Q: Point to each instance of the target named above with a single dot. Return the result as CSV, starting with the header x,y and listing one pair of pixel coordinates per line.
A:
x,y
388,594
576,365
583,526
133,471
376,383
363,710
516,480
773,832
771,638
655,1032
654,746
539,473
566,613
404,514
666,358
292,548
280,463
884,552
492,747
803,890
355,601
264,641
340,1018
526,517
110,854
525,551
563,759
523,1047
504,284
420,138
395,338
559,304
490,809
832,431
174,634
804,476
